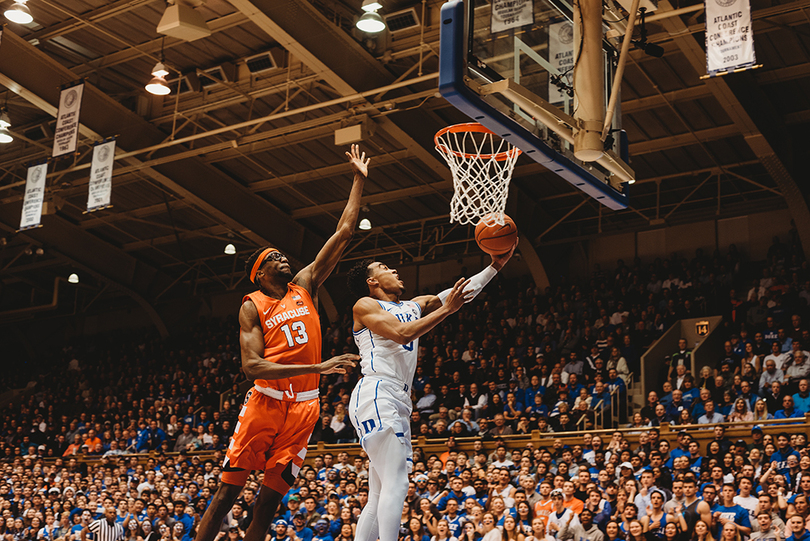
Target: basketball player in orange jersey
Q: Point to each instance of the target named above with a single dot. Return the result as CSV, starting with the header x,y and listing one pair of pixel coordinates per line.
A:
x,y
280,340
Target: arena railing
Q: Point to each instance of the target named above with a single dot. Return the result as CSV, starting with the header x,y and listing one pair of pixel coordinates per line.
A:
x,y
703,434
613,407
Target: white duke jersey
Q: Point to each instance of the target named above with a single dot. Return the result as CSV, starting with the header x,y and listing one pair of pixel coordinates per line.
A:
x,y
385,358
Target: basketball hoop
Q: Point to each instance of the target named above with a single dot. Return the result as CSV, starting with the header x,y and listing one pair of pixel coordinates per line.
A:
x,y
482,165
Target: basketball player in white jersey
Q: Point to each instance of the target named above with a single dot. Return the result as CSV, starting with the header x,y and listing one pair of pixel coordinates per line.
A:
x,y
387,332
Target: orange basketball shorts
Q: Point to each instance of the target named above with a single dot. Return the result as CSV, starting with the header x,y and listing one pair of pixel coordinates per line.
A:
x,y
271,435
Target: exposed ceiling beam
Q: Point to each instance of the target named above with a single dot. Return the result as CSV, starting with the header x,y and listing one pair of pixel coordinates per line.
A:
x,y
728,100
131,53
683,139
653,102
325,172
335,57
376,199
203,186
780,75
143,212
174,238
760,21
113,9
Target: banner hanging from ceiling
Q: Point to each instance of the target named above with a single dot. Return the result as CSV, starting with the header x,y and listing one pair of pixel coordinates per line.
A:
x,y
34,195
508,14
561,57
100,188
729,36
66,137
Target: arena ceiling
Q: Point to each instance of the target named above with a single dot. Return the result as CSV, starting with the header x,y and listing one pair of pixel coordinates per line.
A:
x,y
245,154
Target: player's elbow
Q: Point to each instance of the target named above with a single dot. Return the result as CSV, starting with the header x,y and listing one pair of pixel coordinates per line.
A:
x,y
405,337
344,232
250,367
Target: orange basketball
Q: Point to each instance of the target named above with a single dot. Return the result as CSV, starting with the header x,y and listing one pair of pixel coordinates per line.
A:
x,y
496,239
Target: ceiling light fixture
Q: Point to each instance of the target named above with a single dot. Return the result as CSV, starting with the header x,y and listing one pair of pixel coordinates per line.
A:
x,y
371,22
5,123
230,249
365,223
73,278
158,85
19,13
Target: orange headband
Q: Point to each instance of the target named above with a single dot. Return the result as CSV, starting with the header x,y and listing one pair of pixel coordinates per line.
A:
x,y
258,263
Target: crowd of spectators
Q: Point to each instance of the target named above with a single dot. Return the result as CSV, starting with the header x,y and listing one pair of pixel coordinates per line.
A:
x,y
517,359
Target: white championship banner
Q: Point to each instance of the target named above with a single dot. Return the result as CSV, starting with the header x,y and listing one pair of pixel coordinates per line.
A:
x,y
100,187
508,14
729,36
66,137
34,195
561,57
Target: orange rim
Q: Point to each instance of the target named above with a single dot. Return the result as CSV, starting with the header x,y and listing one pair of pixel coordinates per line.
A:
x,y
471,127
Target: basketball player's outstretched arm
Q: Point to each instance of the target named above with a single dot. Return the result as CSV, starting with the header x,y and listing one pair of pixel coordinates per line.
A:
x,y
429,303
313,275
251,341
369,314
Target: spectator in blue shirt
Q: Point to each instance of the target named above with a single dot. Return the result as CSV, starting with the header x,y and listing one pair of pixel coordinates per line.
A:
x,y
322,531
729,512
783,451
796,526
788,411
801,400
299,525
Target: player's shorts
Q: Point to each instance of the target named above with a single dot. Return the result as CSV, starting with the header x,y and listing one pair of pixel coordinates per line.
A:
x,y
377,404
271,435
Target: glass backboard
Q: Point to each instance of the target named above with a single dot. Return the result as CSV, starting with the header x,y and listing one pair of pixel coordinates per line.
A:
x,y
527,48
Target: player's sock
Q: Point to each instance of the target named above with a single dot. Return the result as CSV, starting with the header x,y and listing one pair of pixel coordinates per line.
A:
x,y
387,452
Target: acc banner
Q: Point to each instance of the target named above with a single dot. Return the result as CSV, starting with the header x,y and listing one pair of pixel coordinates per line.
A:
x,y
729,37
100,187
561,57
67,120
508,14
34,195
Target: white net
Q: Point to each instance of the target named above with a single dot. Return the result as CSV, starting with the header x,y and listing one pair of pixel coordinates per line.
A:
x,y
482,165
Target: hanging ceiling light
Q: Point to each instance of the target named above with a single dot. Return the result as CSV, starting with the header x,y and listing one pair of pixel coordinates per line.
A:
x,y
371,22
5,123
73,278
158,85
19,13
230,249
365,224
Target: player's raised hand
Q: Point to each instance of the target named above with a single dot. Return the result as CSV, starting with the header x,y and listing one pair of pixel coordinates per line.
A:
x,y
499,261
358,161
337,365
458,296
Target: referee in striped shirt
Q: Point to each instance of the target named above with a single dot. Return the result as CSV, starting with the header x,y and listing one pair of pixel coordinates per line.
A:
x,y
105,528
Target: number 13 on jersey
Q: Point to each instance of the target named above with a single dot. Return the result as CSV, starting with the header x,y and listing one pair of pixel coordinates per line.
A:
x,y
301,333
